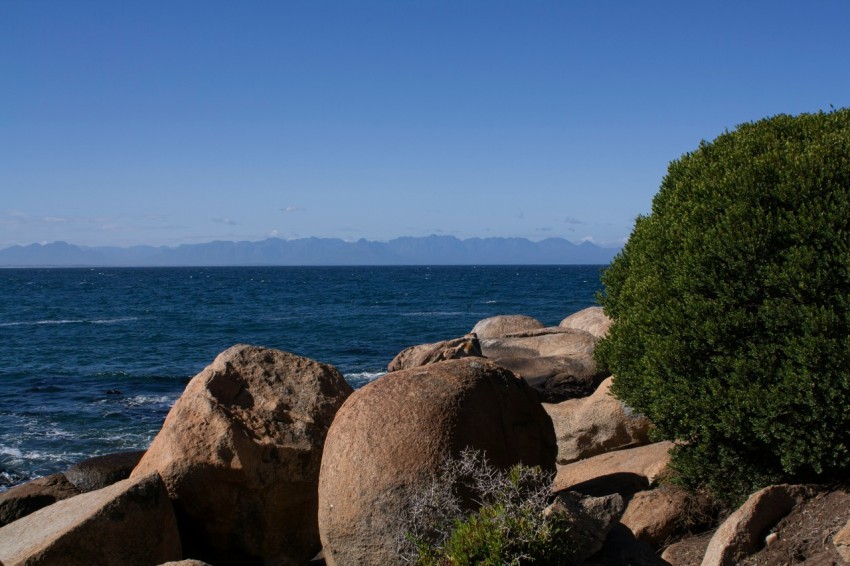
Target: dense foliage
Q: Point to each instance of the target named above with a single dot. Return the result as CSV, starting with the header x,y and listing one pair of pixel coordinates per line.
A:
x,y
506,526
731,306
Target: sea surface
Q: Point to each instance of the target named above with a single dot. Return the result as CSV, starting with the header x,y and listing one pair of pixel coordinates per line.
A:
x,y
94,358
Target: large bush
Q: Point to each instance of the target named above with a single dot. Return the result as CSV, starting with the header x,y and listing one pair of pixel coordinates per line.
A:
x,y
731,306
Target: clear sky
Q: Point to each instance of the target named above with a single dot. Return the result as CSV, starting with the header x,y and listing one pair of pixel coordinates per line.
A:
x,y
178,122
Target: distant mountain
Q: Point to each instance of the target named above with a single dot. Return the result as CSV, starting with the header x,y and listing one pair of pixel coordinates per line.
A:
x,y
430,250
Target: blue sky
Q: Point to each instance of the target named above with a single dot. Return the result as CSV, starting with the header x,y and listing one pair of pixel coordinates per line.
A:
x,y
175,122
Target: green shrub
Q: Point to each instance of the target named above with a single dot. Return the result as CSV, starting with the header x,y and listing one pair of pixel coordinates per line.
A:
x,y
506,525
731,306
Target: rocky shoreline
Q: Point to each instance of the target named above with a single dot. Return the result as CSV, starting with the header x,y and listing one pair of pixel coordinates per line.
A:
x,y
270,458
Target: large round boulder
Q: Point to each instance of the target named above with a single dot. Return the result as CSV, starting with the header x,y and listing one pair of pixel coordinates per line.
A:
x,y
392,436
503,325
240,454
591,319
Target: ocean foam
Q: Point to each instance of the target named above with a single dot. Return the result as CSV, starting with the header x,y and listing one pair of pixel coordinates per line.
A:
x,y
70,321
364,376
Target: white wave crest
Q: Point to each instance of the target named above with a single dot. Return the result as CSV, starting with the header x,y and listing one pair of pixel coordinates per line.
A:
x,y
364,375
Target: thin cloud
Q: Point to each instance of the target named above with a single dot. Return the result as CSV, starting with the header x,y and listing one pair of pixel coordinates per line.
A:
x,y
572,220
227,221
520,216
291,208
545,229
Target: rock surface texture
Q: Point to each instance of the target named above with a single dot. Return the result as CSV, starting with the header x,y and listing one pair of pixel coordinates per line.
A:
x,y
841,540
591,320
622,471
424,354
27,498
240,454
539,355
591,519
596,424
744,530
393,434
654,516
130,522
498,326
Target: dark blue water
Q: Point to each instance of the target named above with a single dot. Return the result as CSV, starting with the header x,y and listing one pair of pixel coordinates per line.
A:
x,y
94,358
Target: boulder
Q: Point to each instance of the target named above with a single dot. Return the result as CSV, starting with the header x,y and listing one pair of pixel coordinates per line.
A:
x,y
575,384
129,522
425,354
540,355
498,326
393,435
656,515
590,518
623,471
240,452
595,425
27,498
841,541
101,471
591,319
744,530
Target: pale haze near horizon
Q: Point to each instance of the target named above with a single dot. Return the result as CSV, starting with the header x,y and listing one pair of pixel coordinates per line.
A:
x,y
164,123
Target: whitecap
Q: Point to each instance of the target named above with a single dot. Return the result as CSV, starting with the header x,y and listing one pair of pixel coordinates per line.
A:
x,y
9,451
435,313
365,375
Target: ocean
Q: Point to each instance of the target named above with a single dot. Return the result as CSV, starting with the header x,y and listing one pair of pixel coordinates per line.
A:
x,y
96,357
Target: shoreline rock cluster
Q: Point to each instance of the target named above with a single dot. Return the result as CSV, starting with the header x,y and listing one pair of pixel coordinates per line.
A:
x,y
269,458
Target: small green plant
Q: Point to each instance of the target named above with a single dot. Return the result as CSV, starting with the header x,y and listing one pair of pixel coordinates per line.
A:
x,y
731,307
473,513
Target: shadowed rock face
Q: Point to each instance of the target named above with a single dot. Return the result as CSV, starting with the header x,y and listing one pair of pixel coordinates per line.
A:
x,y
240,453
394,433
101,471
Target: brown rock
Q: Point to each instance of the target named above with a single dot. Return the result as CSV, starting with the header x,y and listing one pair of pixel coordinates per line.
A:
x,y
590,518
841,541
623,471
130,522
743,531
538,357
27,498
424,354
497,326
591,319
240,454
595,425
656,515
101,471
392,435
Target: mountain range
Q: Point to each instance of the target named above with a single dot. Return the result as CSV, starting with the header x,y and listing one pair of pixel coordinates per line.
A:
x,y
430,250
